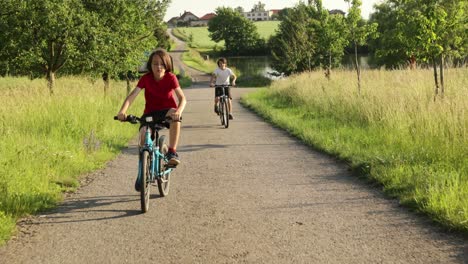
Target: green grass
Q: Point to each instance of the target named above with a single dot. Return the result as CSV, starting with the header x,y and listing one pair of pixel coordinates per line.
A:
x,y
200,37
393,133
266,29
48,142
202,42
193,59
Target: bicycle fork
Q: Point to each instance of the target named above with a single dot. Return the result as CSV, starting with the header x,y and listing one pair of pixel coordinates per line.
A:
x,y
147,147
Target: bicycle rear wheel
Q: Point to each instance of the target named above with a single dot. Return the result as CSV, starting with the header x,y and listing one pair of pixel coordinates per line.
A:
x,y
224,105
145,185
164,179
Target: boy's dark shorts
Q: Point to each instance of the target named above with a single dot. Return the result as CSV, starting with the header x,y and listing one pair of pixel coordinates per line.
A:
x,y
158,116
219,91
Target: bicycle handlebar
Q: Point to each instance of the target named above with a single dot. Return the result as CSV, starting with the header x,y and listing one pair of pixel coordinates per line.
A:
x,y
130,118
134,120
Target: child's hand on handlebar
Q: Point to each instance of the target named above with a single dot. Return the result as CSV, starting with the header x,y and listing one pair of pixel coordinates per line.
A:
x,y
122,116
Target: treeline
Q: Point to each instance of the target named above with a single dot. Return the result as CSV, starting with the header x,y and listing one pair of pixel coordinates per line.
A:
x,y
398,34
94,37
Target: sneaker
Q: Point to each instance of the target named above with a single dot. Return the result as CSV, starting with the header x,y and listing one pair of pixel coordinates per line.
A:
x,y
173,158
231,117
216,109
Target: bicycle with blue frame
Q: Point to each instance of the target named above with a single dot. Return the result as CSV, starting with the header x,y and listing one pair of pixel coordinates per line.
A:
x,y
153,166
223,105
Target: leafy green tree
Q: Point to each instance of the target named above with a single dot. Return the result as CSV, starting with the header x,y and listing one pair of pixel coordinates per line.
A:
x,y
433,31
294,47
8,39
46,35
391,48
317,41
359,30
258,7
239,34
77,36
330,36
438,30
240,9
125,31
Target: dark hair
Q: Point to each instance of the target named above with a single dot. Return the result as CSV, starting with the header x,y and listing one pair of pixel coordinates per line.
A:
x,y
223,60
165,57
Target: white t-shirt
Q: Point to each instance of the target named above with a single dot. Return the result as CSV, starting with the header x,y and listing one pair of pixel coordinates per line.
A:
x,y
222,76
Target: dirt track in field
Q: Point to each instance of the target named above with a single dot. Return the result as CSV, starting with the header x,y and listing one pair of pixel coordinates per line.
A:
x,y
247,194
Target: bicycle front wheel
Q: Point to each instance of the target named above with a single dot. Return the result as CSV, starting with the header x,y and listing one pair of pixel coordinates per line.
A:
x,y
164,172
145,178
225,113
221,111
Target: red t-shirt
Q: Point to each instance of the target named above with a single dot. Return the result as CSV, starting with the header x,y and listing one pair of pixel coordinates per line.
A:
x,y
159,95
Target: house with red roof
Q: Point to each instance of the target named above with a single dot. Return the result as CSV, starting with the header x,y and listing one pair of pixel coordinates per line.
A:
x,y
183,20
203,21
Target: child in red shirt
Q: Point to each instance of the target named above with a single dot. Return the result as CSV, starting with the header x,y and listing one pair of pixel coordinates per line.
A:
x,y
160,85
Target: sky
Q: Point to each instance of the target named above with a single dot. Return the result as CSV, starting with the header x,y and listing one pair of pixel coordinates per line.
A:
x,y
202,7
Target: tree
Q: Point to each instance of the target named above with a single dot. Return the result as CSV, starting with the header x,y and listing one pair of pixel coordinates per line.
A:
x,y
77,36
258,7
432,31
239,34
125,31
240,9
294,47
330,37
358,32
8,18
391,48
439,31
46,35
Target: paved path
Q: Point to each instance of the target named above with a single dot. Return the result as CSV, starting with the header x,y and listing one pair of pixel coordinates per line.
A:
x,y
247,194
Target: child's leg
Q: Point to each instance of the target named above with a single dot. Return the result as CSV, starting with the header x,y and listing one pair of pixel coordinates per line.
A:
x,y
174,131
142,137
216,100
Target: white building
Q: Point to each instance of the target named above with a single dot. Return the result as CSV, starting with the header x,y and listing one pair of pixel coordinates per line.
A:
x,y
258,15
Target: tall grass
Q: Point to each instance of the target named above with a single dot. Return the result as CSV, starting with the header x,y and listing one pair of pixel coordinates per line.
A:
x,y
394,132
49,141
193,59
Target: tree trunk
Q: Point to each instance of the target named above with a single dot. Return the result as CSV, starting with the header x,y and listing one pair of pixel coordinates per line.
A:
x,y
436,92
358,69
328,72
128,84
442,88
105,78
50,81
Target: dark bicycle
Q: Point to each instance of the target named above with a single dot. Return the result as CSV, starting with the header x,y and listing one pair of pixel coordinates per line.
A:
x,y
153,165
223,105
